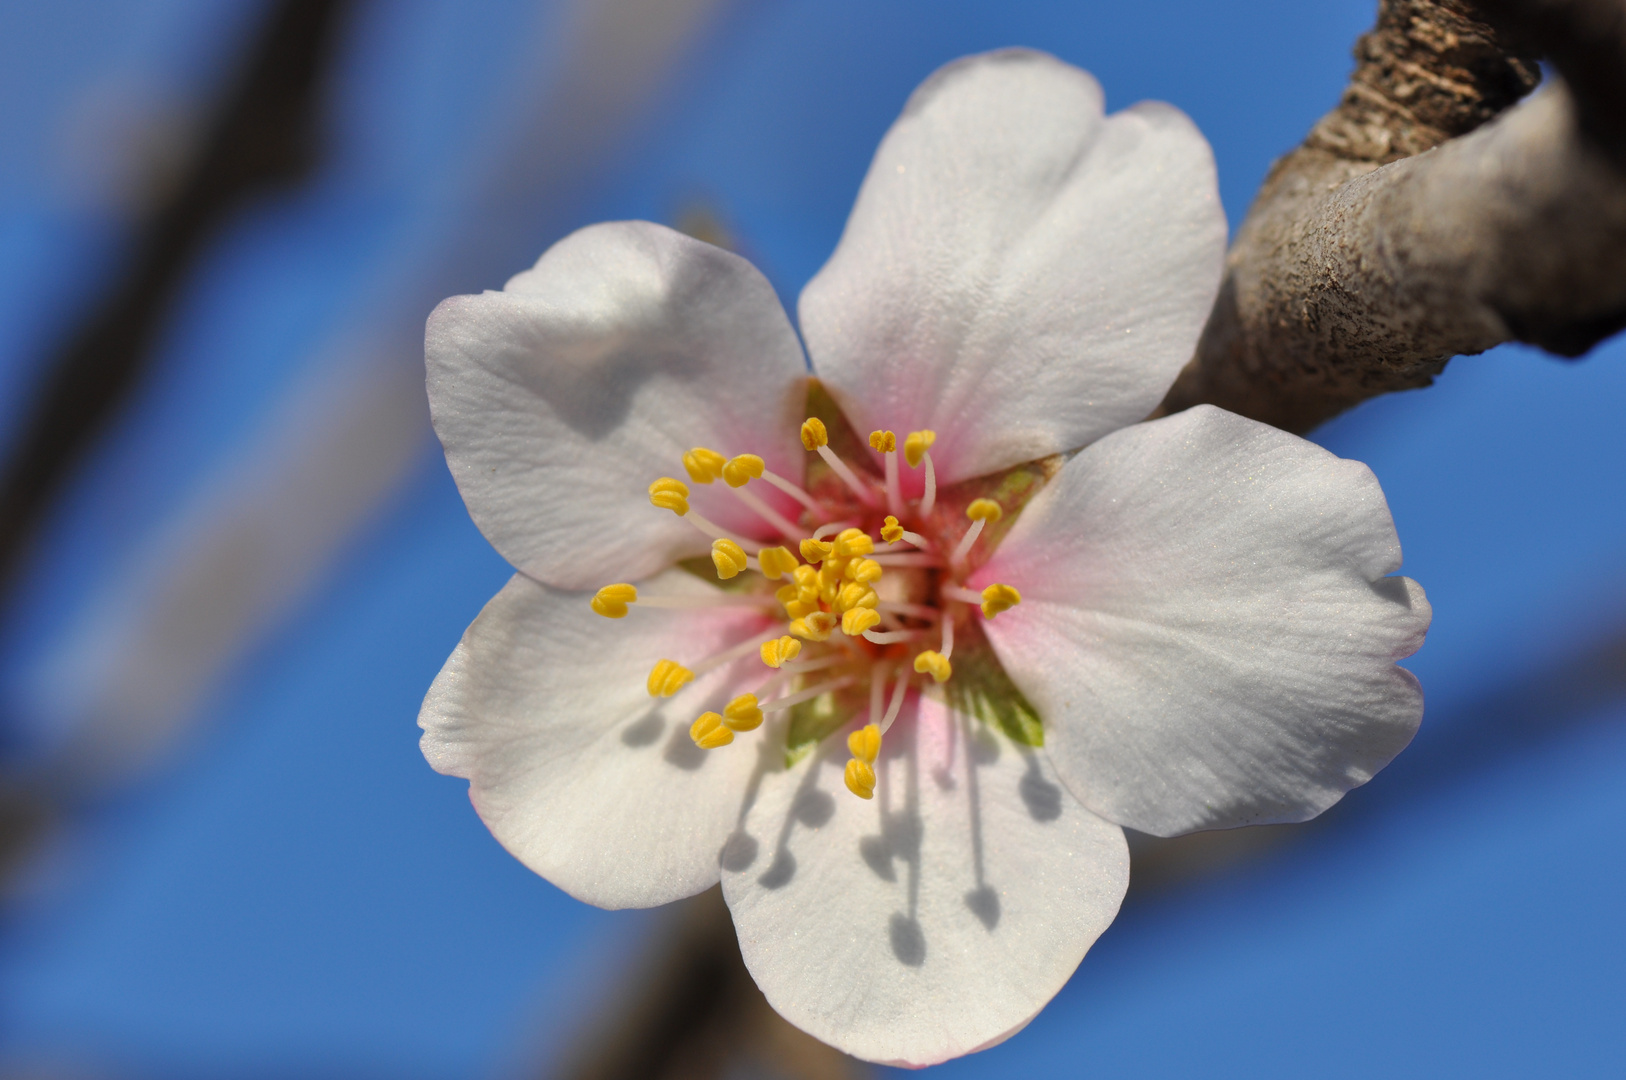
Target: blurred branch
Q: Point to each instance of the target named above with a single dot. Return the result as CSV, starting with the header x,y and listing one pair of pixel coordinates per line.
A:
x,y
694,1011
264,135
27,819
1428,216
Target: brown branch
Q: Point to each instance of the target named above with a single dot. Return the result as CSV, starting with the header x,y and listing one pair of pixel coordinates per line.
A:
x,y
694,1012
1429,216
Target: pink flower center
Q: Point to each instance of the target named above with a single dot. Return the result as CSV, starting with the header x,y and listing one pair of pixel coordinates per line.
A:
x,y
866,589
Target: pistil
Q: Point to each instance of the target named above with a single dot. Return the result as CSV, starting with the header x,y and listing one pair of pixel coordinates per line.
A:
x,y
835,587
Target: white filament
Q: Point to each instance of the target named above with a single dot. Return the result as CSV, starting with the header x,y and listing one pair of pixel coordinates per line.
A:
x,y
839,467
919,611
712,530
894,497
798,667
896,703
718,600
890,637
744,648
793,490
806,695
929,499
908,559
967,540
766,512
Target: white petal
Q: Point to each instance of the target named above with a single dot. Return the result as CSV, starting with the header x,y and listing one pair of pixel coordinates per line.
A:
x,y
1019,274
562,397
934,920
1206,628
579,773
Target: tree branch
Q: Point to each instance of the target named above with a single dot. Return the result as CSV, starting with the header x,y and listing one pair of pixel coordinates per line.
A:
x,y
693,1011
1424,218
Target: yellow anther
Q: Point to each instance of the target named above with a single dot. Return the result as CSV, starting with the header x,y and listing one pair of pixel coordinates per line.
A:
x,y
984,510
702,465
814,626
867,571
816,551
776,562
742,714
997,598
854,621
814,434
708,732
728,557
742,470
779,650
668,677
856,595
801,595
612,600
865,743
830,579
934,664
850,542
884,441
891,531
860,778
916,445
670,494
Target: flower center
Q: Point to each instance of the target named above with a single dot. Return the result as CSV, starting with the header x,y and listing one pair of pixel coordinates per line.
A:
x,y
871,603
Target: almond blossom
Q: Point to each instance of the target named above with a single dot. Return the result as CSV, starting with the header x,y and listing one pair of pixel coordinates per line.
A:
x,y
895,651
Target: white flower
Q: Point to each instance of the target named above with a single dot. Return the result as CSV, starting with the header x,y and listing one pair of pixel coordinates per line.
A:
x,y
1195,610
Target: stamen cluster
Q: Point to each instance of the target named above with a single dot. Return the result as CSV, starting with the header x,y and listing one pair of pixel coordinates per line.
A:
x,y
841,582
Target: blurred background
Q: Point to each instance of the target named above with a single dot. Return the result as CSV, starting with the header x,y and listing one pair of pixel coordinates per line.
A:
x,y
231,558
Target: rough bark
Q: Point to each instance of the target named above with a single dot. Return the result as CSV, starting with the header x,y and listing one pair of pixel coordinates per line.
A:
x,y
1428,215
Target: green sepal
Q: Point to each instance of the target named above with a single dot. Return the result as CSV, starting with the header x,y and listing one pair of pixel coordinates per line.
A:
x,y
813,721
980,689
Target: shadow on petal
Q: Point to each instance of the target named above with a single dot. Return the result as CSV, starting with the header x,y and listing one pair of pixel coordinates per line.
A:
x,y
591,385
982,745
780,872
908,942
739,852
813,808
1043,799
645,731
984,904
682,752
902,833
877,854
